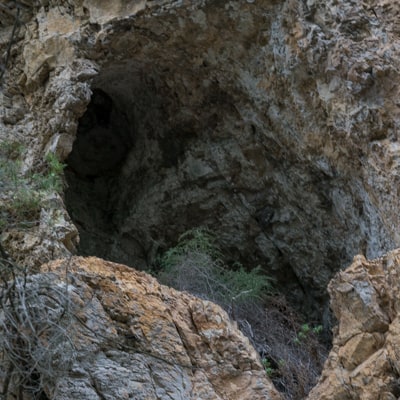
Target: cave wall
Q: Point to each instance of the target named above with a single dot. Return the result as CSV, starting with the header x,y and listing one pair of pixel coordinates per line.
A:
x,y
273,123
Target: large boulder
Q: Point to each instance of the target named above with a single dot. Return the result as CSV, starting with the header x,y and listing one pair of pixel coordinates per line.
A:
x,y
137,339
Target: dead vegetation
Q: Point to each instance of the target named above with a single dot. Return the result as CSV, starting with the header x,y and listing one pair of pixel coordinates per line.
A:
x,y
35,344
291,351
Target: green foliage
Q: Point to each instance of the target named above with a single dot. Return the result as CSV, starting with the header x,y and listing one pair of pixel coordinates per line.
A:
x,y
246,285
21,193
306,331
268,367
50,180
197,241
195,265
11,150
317,329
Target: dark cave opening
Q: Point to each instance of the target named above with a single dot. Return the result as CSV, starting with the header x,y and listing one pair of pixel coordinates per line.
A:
x,y
153,159
102,143
147,165
103,139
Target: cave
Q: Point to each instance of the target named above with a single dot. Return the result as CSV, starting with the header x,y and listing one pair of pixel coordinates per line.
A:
x,y
179,133
126,156
142,172
102,143
275,124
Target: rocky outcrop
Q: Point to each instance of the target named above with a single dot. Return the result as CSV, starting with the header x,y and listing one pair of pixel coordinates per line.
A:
x,y
273,123
364,362
135,338
262,120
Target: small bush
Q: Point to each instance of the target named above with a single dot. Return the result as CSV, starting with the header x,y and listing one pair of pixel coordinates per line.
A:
x,y
21,194
195,265
293,349
51,179
289,350
305,332
267,367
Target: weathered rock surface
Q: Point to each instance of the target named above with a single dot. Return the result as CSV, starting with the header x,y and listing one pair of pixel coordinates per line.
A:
x,y
365,361
137,339
274,123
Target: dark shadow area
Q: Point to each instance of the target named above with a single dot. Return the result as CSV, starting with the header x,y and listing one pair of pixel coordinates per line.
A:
x,y
102,143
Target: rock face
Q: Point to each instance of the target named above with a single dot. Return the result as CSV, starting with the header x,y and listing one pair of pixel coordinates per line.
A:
x,y
273,123
137,339
364,362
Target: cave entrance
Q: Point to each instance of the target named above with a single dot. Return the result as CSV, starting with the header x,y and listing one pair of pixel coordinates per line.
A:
x,y
194,125
158,153
176,137
117,172
104,138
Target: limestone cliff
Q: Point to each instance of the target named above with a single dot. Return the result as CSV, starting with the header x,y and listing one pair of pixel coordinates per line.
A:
x,y
137,339
364,362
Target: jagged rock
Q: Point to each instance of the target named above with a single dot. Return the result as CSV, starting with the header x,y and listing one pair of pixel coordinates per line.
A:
x,y
273,123
365,361
138,339
55,235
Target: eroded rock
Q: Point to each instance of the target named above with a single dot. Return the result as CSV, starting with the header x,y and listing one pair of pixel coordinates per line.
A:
x,y
364,361
138,339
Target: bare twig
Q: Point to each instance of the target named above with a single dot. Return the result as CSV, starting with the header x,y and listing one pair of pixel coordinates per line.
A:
x,y
34,321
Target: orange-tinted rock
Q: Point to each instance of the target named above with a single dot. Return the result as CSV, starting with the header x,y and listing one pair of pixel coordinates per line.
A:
x,y
143,340
364,361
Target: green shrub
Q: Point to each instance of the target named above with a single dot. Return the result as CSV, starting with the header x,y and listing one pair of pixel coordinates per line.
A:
x,y
51,179
21,194
269,370
305,332
195,264
245,285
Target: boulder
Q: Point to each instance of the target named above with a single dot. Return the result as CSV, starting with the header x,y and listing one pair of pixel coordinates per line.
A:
x,y
137,339
364,362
